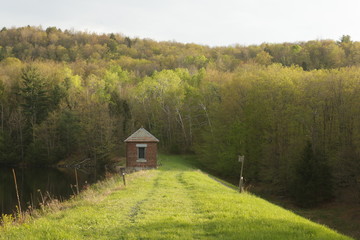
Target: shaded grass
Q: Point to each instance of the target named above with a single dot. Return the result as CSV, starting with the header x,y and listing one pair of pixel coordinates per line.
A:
x,y
174,202
342,215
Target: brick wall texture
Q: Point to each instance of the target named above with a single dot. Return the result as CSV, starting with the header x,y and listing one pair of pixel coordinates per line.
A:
x,y
132,155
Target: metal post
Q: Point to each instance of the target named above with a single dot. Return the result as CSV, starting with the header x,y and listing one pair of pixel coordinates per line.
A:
x,y
241,182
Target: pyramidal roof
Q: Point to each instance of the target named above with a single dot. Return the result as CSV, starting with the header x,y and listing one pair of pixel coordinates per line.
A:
x,y
141,135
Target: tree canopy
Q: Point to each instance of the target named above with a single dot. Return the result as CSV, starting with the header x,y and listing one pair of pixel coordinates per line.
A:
x,y
66,93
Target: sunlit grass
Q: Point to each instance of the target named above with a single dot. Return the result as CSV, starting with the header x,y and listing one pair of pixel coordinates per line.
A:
x,y
174,202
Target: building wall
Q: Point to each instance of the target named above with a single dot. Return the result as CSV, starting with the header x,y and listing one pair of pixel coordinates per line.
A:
x,y
132,155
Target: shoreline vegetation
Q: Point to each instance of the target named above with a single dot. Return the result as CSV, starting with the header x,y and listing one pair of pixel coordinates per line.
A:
x,y
50,205
174,201
37,186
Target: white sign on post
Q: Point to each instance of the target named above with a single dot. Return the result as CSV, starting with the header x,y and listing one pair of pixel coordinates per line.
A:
x,y
241,158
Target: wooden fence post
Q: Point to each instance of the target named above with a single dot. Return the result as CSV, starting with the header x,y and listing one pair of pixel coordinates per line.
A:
x,y
17,192
123,173
77,182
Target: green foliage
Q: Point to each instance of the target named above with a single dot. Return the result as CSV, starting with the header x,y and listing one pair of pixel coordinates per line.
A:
x,y
69,129
312,182
162,97
34,94
268,113
148,55
263,58
83,94
345,39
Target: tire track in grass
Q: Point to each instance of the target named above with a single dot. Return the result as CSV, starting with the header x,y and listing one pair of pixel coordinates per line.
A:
x,y
137,207
135,210
204,217
198,215
123,207
168,212
191,194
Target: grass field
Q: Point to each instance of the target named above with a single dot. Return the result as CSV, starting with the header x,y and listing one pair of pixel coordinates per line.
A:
x,y
174,202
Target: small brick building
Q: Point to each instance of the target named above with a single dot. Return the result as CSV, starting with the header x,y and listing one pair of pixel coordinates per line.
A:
x,y
141,150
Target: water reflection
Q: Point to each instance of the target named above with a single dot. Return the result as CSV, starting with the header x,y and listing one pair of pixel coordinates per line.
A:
x,y
32,182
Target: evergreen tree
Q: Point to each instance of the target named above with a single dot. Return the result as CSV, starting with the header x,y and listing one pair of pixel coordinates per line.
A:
x,y
34,94
312,184
35,107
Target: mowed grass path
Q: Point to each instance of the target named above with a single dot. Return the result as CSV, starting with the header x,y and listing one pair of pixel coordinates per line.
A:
x,y
174,202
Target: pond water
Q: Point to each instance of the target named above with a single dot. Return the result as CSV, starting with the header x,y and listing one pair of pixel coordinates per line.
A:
x,y
35,184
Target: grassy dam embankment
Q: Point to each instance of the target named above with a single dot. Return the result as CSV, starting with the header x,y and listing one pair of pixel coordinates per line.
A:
x,y
175,201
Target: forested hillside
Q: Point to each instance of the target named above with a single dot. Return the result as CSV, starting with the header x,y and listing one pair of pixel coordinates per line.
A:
x,y
292,109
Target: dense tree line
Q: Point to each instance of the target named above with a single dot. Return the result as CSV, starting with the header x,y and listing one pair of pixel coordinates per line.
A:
x,y
49,113
145,55
270,114
291,109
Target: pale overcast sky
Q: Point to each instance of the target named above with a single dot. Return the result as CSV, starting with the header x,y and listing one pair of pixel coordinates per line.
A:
x,y
208,22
